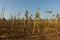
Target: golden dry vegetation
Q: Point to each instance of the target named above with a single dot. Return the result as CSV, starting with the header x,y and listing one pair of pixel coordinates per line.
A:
x,y
30,29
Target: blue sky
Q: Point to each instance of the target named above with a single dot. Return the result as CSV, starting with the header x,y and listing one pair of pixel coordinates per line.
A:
x,y
15,6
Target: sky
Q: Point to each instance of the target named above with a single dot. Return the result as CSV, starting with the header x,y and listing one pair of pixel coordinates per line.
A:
x,y
15,6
